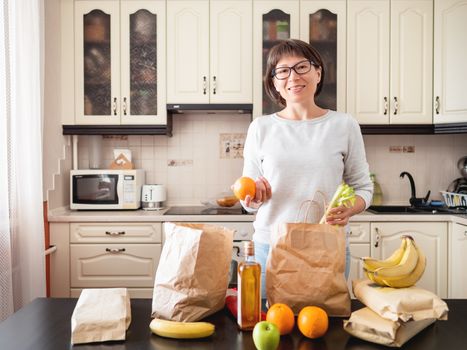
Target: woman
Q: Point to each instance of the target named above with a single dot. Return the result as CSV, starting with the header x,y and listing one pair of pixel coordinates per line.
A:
x,y
301,149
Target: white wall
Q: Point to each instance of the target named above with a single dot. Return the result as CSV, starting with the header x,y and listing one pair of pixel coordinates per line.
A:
x,y
191,166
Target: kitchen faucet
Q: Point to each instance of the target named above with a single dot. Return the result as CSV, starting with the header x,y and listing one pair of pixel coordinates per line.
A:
x,y
414,201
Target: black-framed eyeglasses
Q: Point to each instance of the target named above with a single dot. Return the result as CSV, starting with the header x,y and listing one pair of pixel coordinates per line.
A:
x,y
300,68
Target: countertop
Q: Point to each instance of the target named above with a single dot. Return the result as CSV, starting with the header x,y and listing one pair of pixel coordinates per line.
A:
x,y
66,215
45,324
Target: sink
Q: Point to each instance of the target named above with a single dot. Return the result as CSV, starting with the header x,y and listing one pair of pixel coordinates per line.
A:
x,y
391,209
404,209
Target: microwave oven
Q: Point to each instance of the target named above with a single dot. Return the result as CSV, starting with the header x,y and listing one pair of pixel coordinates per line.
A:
x,y
101,189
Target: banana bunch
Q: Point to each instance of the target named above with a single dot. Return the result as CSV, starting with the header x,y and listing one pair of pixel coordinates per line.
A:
x,y
181,330
402,269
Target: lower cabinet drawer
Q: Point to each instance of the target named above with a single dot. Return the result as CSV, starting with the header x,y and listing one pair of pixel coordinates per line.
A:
x,y
113,265
137,293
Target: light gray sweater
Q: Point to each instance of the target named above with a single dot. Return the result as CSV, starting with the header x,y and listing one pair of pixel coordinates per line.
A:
x,y
301,157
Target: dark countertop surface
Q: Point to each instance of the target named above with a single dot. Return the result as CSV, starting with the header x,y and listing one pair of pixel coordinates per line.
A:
x,y
45,324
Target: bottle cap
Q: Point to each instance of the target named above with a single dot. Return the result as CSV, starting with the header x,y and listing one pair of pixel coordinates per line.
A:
x,y
249,247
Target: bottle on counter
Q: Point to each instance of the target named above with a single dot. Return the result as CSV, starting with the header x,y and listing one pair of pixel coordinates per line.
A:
x,y
377,192
249,289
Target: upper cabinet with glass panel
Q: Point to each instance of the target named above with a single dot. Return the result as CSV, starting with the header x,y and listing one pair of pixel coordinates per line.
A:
x,y
272,21
323,25
120,62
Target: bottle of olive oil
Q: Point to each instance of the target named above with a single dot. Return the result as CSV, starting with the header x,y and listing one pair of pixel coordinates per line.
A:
x,y
249,289
377,192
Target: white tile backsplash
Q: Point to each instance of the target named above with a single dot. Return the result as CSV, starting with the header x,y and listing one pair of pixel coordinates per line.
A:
x,y
201,174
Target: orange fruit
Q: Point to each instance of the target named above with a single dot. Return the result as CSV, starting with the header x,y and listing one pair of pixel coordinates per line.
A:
x,y
313,322
282,316
244,186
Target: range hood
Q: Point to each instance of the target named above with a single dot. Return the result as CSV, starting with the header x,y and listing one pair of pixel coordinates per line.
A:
x,y
210,108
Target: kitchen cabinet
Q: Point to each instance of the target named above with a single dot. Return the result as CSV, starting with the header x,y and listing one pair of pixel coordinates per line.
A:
x,y
450,70
457,261
323,24
359,242
273,21
119,67
209,51
389,61
431,237
101,255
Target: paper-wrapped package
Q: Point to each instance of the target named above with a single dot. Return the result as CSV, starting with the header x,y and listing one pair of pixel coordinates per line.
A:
x,y
101,315
400,303
368,325
306,267
192,275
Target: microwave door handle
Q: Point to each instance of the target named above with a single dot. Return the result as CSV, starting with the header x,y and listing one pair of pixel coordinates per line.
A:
x,y
120,189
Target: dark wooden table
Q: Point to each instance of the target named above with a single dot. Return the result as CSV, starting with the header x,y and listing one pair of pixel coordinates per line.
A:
x,y
45,324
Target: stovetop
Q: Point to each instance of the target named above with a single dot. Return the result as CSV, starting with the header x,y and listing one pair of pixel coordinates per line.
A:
x,y
203,210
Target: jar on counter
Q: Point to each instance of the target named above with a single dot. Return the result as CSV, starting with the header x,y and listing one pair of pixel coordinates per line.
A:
x,y
377,192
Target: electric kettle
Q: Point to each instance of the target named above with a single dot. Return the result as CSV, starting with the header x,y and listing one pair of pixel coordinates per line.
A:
x,y
153,197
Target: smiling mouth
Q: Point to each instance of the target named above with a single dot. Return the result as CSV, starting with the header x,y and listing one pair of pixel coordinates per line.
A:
x,y
296,87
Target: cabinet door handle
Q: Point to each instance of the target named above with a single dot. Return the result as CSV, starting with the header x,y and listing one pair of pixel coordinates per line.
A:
x,y
124,106
238,250
396,105
385,105
205,85
437,104
350,233
377,237
114,233
115,250
214,84
465,233
115,106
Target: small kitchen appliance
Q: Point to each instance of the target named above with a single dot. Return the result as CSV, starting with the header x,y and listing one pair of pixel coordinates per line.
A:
x,y
105,189
153,197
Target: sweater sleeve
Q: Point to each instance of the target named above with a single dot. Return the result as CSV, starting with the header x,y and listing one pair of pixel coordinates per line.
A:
x,y
356,169
251,158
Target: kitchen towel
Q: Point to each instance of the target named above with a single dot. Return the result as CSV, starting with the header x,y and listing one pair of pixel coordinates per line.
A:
x,y
193,272
101,315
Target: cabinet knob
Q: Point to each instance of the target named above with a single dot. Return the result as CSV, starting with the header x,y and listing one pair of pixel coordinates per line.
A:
x,y
385,105
115,250
396,105
114,233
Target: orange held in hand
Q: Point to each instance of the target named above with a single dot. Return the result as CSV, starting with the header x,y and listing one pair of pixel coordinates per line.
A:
x,y
313,322
243,187
282,316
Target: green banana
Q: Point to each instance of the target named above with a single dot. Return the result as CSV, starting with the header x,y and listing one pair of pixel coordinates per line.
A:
x,y
181,330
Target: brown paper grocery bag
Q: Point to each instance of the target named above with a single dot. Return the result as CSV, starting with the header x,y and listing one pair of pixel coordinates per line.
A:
x,y
368,325
101,315
306,267
192,275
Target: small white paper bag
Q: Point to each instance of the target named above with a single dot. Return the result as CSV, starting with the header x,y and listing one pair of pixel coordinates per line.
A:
x,y
101,315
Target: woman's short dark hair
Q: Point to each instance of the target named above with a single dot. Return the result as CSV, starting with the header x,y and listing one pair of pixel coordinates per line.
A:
x,y
290,47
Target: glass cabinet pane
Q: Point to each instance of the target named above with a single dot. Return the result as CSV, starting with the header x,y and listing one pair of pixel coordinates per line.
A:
x,y
323,36
143,63
276,27
97,77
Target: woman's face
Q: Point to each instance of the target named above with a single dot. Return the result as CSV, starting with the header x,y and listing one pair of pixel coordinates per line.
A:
x,y
297,88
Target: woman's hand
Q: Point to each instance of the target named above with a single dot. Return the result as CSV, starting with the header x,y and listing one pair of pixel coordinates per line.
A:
x,y
263,193
339,216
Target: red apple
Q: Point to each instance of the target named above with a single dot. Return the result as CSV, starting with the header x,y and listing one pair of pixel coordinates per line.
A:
x,y
266,336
